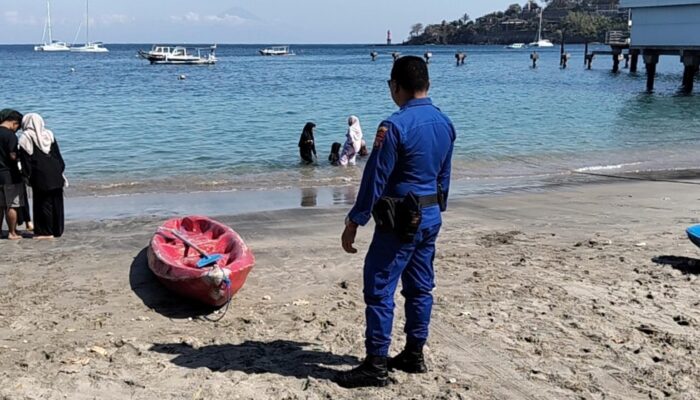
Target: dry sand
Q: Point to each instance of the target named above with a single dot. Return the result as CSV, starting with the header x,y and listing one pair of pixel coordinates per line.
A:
x,y
580,293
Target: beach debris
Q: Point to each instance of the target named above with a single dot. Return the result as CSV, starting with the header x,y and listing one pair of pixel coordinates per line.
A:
x,y
98,350
641,244
267,297
647,329
300,303
682,320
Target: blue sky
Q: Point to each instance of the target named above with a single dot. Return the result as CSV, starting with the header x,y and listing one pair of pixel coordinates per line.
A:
x,y
232,21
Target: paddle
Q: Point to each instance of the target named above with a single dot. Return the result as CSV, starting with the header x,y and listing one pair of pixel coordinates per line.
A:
x,y
206,260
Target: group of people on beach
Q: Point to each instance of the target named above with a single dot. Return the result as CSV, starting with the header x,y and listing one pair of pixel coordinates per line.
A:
x,y
341,154
33,160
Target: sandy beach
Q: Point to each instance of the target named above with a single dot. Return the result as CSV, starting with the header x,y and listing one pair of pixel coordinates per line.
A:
x,y
587,292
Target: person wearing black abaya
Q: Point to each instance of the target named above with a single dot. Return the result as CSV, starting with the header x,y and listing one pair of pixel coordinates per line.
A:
x,y
43,164
307,144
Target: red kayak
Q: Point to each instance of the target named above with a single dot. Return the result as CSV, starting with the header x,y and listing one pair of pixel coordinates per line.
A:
x,y
200,258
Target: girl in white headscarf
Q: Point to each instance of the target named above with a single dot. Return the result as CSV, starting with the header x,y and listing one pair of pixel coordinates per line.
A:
x,y
43,164
353,142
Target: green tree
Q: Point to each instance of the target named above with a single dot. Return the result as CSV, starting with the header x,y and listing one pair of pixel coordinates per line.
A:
x,y
416,29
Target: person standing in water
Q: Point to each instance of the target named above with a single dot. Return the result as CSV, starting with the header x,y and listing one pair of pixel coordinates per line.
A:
x,y
43,164
307,144
353,142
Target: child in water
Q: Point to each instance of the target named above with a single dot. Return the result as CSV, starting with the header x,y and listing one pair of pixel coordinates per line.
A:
x,y
334,157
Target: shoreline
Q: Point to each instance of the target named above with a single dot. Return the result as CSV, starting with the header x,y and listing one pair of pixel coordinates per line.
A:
x,y
577,292
236,202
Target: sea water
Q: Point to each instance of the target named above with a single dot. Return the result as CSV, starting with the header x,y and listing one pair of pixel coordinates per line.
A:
x,y
126,127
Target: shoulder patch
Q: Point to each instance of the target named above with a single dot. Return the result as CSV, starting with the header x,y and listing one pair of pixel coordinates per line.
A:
x,y
381,135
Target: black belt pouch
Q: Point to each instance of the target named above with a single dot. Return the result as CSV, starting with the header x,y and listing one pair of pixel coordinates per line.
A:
x,y
409,217
384,213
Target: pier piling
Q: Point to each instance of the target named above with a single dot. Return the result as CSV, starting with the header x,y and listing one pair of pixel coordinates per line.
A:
x,y
634,60
691,62
651,60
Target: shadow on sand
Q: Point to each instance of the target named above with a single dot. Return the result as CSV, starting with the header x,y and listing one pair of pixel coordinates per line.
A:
x,y
688,266
156,297
280,357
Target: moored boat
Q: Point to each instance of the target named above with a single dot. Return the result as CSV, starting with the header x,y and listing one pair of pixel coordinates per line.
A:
x,y
174,257
180,55
276,51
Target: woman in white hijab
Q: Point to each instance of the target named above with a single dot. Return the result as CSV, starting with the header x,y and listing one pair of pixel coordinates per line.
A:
x,y
43,164
353,143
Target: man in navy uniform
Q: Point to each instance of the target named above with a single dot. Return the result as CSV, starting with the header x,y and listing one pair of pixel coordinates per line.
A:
x,y
411,158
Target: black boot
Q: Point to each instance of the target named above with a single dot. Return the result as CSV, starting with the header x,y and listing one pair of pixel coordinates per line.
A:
x,y
372,372
410,360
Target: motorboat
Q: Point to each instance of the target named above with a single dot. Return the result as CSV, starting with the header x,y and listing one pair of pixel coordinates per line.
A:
x,y
516,46
541,42
88,47
276,51
51,46
180,55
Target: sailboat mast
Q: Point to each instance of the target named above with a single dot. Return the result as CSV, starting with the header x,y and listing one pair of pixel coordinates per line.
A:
x,y
539,32
48,20
87,22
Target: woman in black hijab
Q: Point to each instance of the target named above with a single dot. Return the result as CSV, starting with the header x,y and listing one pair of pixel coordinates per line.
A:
x,y
307,144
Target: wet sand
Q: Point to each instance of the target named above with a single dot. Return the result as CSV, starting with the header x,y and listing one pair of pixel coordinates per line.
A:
x,y
589,292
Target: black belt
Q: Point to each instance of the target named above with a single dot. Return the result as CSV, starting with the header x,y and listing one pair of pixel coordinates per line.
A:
x,y
428,201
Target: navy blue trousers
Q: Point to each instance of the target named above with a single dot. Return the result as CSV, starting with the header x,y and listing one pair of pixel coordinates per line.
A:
x,y
389,260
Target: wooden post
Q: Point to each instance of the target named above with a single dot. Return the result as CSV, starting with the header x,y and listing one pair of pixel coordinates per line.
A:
x,y
585,55
691,63
616,59
634,61
650,60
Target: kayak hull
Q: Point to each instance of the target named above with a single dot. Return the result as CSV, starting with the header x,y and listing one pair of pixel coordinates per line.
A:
x,y
175,264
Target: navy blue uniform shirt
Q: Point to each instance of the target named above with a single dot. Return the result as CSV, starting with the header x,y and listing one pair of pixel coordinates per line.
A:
x,y
412,153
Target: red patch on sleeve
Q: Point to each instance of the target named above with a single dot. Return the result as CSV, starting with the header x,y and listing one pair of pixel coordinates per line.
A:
x,y
381,135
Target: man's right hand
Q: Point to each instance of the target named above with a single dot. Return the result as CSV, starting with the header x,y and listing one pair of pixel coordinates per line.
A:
x,y
348,238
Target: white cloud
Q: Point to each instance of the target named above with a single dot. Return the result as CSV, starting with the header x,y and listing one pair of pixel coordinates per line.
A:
x,y
15,18
115,19
195,18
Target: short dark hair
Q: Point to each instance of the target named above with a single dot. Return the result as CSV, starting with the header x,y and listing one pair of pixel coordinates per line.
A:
x,y
411,73
13,116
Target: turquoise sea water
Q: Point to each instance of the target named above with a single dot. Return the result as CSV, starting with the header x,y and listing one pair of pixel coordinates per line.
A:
x,y
128,127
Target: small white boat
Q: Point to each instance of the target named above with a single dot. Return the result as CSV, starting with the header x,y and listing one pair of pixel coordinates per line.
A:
x,y
51,46
276,51
180,55
516,46
88,47
541,42
93,47
54,46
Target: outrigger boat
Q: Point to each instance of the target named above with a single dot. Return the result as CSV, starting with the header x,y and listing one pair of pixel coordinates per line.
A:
x,y
180,55
276,51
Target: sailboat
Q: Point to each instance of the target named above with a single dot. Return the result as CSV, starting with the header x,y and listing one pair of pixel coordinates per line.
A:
x,y
541,42
51,45
89,47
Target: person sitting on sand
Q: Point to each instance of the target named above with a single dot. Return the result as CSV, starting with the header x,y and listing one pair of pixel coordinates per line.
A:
x,y
334,156
307,144
353,142
43,164
11,193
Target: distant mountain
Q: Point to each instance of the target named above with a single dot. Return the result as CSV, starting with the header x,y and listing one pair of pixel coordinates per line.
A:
x,y
576,21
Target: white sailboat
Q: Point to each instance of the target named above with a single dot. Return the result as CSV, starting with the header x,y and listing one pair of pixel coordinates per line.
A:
x,y
51,45
541,42
89,47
